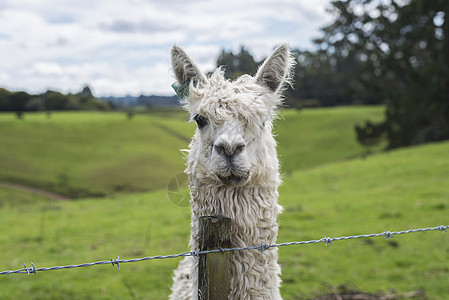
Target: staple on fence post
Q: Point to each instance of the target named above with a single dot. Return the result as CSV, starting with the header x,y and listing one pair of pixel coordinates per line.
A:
x,y
214,269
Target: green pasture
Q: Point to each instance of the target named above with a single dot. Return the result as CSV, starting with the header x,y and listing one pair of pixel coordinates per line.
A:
x,y
92,154
81,154
403,189
314,137
398,190
342,193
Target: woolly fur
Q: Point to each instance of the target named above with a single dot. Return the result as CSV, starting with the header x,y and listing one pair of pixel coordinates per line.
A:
x,y
239,116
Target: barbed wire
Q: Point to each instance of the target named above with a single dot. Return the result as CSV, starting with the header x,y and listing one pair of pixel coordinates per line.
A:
x,y
262,247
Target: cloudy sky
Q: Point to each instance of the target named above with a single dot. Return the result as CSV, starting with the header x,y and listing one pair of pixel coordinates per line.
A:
x,y
123,47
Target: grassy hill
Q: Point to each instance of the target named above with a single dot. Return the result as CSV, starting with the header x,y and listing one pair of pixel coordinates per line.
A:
x,y
402,189
314,137
82,154
92,154
398,190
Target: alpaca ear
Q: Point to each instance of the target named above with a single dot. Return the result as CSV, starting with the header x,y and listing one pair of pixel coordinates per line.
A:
x,y
276,69
184,68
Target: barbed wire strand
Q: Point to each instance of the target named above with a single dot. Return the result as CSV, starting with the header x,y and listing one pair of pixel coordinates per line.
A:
x,y
262,247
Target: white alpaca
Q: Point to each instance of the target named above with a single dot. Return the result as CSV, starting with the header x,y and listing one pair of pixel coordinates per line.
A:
x,y
233,169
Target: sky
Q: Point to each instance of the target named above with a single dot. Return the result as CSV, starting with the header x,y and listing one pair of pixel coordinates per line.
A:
x,y
123,47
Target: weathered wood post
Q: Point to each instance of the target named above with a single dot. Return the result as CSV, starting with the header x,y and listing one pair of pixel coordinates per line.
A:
x,y
214,269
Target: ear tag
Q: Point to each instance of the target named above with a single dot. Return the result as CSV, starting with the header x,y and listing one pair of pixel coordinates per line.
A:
x,y
181,90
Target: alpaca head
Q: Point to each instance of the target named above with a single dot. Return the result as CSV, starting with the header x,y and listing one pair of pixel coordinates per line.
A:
x,y
233,142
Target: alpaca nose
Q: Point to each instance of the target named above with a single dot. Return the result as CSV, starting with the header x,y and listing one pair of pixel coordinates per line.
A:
x,y
229,149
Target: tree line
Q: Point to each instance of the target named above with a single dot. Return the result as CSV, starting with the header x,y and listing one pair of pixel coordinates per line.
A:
x,y
394,53
20,102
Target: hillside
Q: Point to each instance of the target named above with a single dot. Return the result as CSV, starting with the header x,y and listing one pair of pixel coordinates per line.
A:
x,y
403,189
398,190
313,137
80,154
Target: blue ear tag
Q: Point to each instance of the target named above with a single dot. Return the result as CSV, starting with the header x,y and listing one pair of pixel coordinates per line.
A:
x,y
181,90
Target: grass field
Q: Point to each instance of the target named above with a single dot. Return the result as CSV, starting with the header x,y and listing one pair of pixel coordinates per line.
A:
x,y
318,136
403,189
92,154
81,154
332,197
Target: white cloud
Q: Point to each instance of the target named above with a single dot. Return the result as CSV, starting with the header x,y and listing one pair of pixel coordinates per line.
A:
x,y
123,47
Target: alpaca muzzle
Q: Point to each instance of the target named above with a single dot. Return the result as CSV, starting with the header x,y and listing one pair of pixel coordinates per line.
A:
x,y
234,180
231,162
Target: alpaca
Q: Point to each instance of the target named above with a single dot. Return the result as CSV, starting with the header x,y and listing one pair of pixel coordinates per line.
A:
x,y
232,167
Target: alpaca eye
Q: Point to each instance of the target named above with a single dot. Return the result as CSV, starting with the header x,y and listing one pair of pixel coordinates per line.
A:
x,y
200,120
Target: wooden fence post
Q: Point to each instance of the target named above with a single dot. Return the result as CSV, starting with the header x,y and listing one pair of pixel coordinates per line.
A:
x,y
214,269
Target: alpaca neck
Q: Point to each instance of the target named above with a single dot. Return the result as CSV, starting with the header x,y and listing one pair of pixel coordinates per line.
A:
x,y
252,209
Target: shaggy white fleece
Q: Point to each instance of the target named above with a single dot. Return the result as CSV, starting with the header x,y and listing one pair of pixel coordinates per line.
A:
x,y
233,169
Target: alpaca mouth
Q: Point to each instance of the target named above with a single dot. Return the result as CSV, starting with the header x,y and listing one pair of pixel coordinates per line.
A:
x,y
233,180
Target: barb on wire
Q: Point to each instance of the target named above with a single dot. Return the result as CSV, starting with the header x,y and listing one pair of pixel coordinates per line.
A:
x,y
264,247
116,262
388,234
196,254
327,240
30,270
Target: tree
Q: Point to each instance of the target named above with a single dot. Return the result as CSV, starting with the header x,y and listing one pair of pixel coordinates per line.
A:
x,y
55,100
237,64
19,102
50,100
85,95
325,79
403,51
5,104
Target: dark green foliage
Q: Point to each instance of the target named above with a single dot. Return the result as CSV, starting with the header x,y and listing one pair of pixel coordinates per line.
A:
x,y
403,56
19,100
5,104
55,101
328,78
237,64
370,134
49,101
320,79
